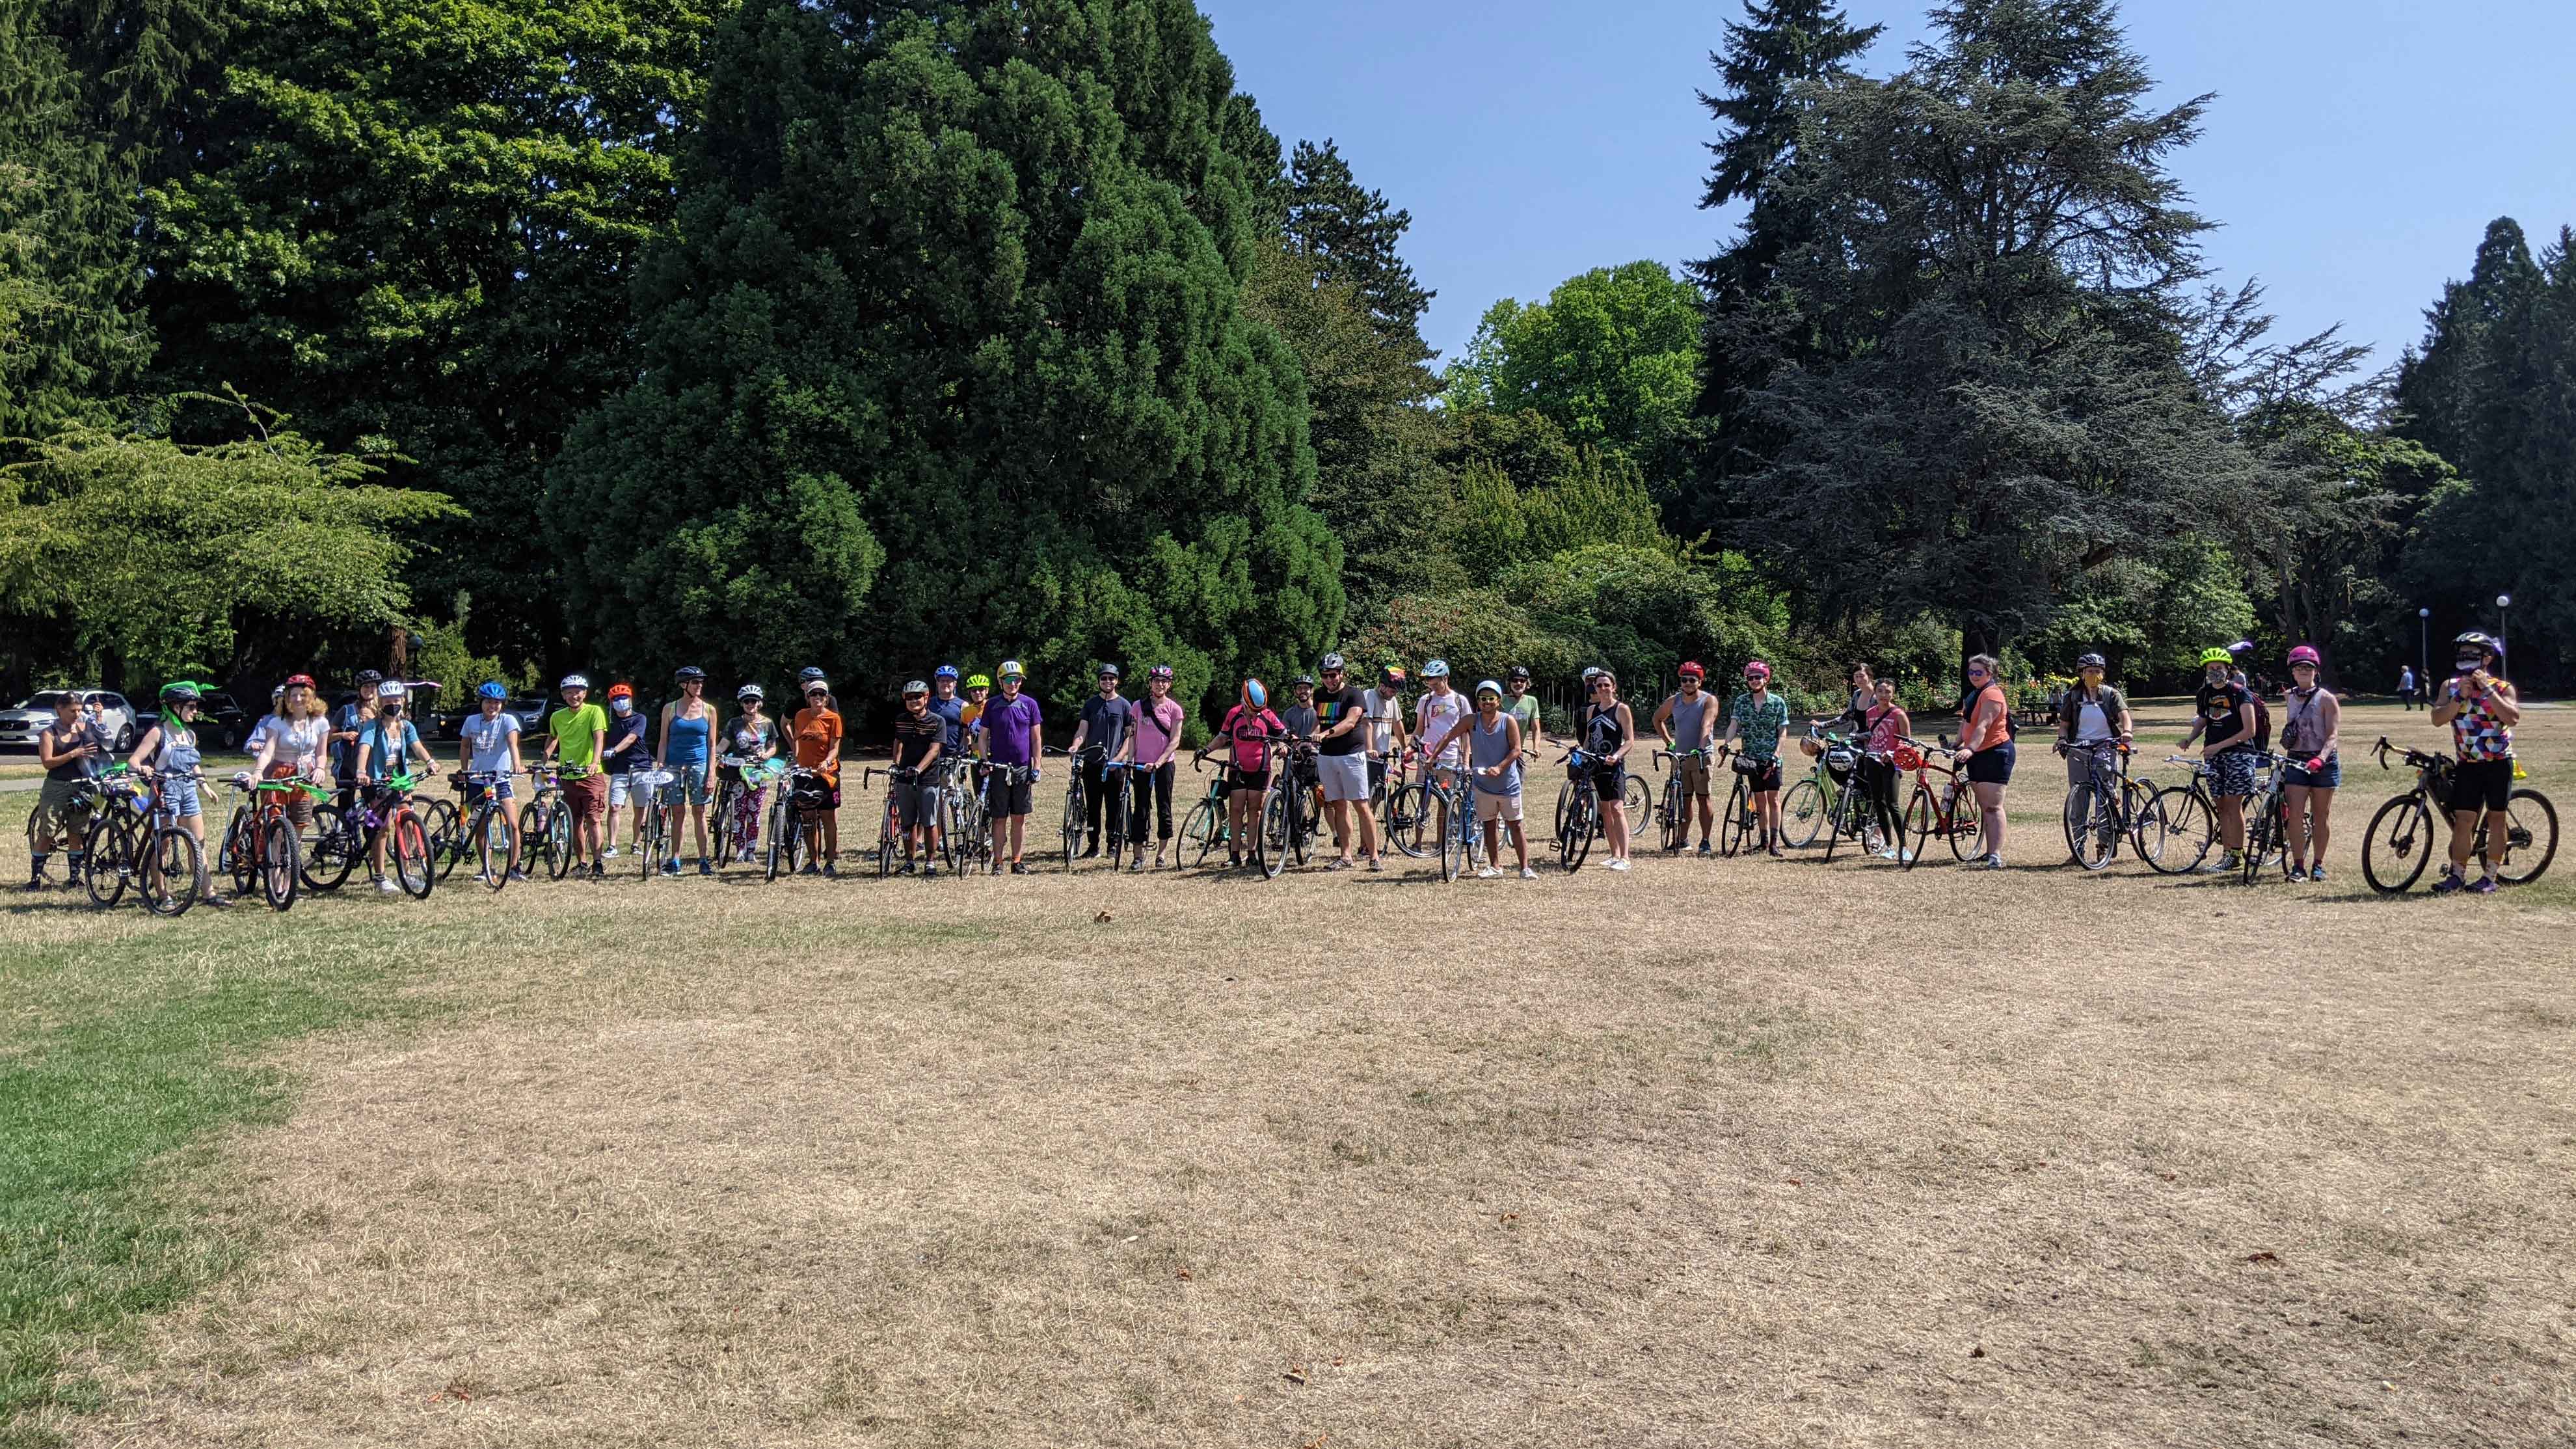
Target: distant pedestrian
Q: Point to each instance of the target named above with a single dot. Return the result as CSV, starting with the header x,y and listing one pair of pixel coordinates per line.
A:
x,y
2406,686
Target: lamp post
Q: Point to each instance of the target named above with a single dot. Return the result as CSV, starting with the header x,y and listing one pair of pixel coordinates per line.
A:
x,y
2424,649
2504,626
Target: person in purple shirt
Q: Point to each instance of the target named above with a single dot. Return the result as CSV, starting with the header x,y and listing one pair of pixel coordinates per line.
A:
x,y
1011,742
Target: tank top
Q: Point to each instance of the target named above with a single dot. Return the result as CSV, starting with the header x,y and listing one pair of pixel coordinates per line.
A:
x,y
1487,748
82,733
2001,730
2301,728
688,740
1689,718
299,743
1601,731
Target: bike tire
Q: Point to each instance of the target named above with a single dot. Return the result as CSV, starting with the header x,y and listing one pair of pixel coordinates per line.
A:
x,y
332,852
1271,829
1638,796
1452,849
1802,813
558,838
109,851
446,836
2398,845
169,882
1200,829
1920,812
1964,823
239,854
2190,829
1676,815
2531,842
1397,821
1582,822
281,859
407,844
2094,843
496,848
1737,821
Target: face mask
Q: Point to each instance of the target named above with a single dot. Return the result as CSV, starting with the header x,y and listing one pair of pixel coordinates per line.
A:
x,y
622,706
2469,666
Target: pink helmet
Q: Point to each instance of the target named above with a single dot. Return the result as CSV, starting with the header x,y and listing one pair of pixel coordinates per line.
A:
x,y
2306,654
1755,666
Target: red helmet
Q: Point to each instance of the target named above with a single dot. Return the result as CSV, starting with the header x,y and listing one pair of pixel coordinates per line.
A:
x,y
621,691
1692,670
1755,666
293,680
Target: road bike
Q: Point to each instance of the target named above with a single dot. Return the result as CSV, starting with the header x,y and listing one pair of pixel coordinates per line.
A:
x,y
652,840
1672,816
965,827
1398,805
796,803
1077,804
2403,838
892,838
2267,824
1739,825
1634,792
2108,806
1948,810
1462,845
1288,821
1818,799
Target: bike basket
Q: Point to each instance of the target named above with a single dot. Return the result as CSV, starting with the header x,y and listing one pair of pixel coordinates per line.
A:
x,y
1908,758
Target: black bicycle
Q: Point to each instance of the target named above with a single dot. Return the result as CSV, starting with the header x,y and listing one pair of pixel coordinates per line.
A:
x,y
1077,805
2108,807
2402,838
1580,818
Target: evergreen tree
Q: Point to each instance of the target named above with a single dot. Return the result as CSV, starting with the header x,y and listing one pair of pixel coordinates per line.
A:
x,y
1348,235
958,285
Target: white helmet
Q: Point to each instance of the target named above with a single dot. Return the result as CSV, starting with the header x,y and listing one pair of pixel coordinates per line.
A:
x,y
390,689
1436,669
574,681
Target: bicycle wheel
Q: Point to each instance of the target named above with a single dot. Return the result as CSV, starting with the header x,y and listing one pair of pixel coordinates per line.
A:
x,y
1802,813
2185,829
558,838
1673,816
2092,826
168,882
1920,815
496,847
720,826
2531,838
778,852
408,844
1732,826
1564,807
1582,819
332,852
447,844
1202,826
239,855
1073,806
1638,796
109,848
1453,851
1963,823
1277,823
650,844
281,857
1402,805
2266,836
1842,824
2398,845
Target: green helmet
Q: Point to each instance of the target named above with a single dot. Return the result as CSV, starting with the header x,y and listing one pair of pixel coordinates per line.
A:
x,y
2215,655
977,681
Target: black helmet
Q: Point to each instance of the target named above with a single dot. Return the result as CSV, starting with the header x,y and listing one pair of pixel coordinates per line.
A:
x,y
369,676
2091,661
1307,680
689,671
1519,671
179,689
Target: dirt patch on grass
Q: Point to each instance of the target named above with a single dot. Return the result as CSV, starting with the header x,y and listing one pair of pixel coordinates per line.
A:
x,y
1751,1153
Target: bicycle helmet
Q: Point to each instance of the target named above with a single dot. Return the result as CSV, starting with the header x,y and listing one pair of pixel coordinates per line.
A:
x,y
978,681
1254,696
2479,640
574,681
389,689
1011,670
1591,672
1392,674
1107,671
1520,673
1307,680
367,677
1329,663
492,689
621,691
751,691
1436,669
293,680
2215,655
2306,654
1159,671
1753,667
911,687
944,671
1691,669
180,690
1487,686
688,672
809,674
2090,661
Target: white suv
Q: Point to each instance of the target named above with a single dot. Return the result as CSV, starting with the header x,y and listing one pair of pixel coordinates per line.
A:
x,y
20,725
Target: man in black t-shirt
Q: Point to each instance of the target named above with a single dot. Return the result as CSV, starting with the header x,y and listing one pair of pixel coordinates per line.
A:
x,y
920,738
2225,726
1341,731
1108,725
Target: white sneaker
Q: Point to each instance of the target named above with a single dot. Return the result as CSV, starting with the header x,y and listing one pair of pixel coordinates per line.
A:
x,y
608,852
1487,873
1905,856
1618,865
385,884
1528,874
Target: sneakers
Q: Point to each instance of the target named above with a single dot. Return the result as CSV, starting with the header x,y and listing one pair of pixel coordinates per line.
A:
x,y
671,868
385,886
1488,873
1618,864
1704,851
1019,867
1528,874
2486,886
1904,856
598,871
608,852
2226,864
832,870
928,872
1136,864
2317,874
1336,863
1991,862
906,867
704,868
811,869
1375,864
1090,851
997,867
2298,872
2450,884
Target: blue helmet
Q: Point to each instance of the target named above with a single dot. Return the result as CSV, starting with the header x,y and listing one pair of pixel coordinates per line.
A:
x,y
492,689
1254,695
944,671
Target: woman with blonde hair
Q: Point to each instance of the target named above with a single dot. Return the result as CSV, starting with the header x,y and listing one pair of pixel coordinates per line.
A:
x,y
294,743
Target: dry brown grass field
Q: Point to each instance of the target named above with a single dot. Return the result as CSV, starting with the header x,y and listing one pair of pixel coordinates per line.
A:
x,y
1739,1152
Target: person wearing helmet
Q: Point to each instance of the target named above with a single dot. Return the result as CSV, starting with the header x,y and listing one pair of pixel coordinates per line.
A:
x,y
1493,744
2312,738
1106,727
1341,767
575,737
2224,719
1755,720
355,712
2093,724
753,738
1687,721
487,743
682,750
806,676
1388,740
625,751
1150,777
385,744
1522,705
2482,709
1246,734
1013,727
1986,753
1302,721
817,731
294,742
920,742
1436,714
1609,733
170,748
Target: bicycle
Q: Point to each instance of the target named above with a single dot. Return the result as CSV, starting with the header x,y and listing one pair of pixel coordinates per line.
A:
x,y
1462,845
1739,825
1580,819
2110,807
490,831
1672,817
406,839
1287,818
966,827
261,841
1634,792
2190,816
1205,824
545,823
1012,777
653,837
2267,825
2402,838
147,845
1077,805
448,842
1854,818
116,824
1398,806
1819,796
795,800
1950,811
890,832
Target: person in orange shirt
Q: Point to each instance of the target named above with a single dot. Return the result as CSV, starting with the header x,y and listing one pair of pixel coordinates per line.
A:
x,y
818,748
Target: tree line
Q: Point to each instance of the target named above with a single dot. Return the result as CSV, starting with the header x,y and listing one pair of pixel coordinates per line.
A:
x,y
758,333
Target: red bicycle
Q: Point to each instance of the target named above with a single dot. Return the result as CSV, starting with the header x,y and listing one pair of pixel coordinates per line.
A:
x,y
1948,810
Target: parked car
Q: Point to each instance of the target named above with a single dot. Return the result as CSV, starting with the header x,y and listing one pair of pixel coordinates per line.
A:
x,y
20,725
220,722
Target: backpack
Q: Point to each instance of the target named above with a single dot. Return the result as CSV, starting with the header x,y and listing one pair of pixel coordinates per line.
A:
x,y
2262,723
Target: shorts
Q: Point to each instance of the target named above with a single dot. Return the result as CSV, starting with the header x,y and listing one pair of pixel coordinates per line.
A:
x,y
2482,784
179,799
2232,773
500,789
1498,807
622,791
586,796
1237,781
60,814
688,786
2300,777
1761,777
1344,777
1001,797
1610,782
1993,765
825,796
906,796
1694,775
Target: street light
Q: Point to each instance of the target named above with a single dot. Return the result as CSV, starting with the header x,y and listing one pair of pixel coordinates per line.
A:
x,y
2424,648
2504,626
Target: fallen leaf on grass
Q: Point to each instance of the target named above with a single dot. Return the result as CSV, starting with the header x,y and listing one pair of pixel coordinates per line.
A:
x,y
1295,1375
1793,1182
1977,1352
1101,919
1337,1363
2263,1257
1183,1275
1511,1217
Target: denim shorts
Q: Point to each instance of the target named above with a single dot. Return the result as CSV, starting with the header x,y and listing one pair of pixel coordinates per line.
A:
x,y
688,786
179,798
2302,778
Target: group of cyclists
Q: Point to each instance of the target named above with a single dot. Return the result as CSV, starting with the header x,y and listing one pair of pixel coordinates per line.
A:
x,y
1344,741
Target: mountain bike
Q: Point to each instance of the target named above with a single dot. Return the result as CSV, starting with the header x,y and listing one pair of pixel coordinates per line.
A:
x,y
1204,826
1672,816
652,838
1077,804
2190,817
1287,818
262,844
1817,800
146,845
2403,839
490,830
1948,810
1581,818
799,796
448,842
545,824
2109,806
406,839
117,823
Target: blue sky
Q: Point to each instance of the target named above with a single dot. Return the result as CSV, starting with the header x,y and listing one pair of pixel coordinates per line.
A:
x,y
2354,155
